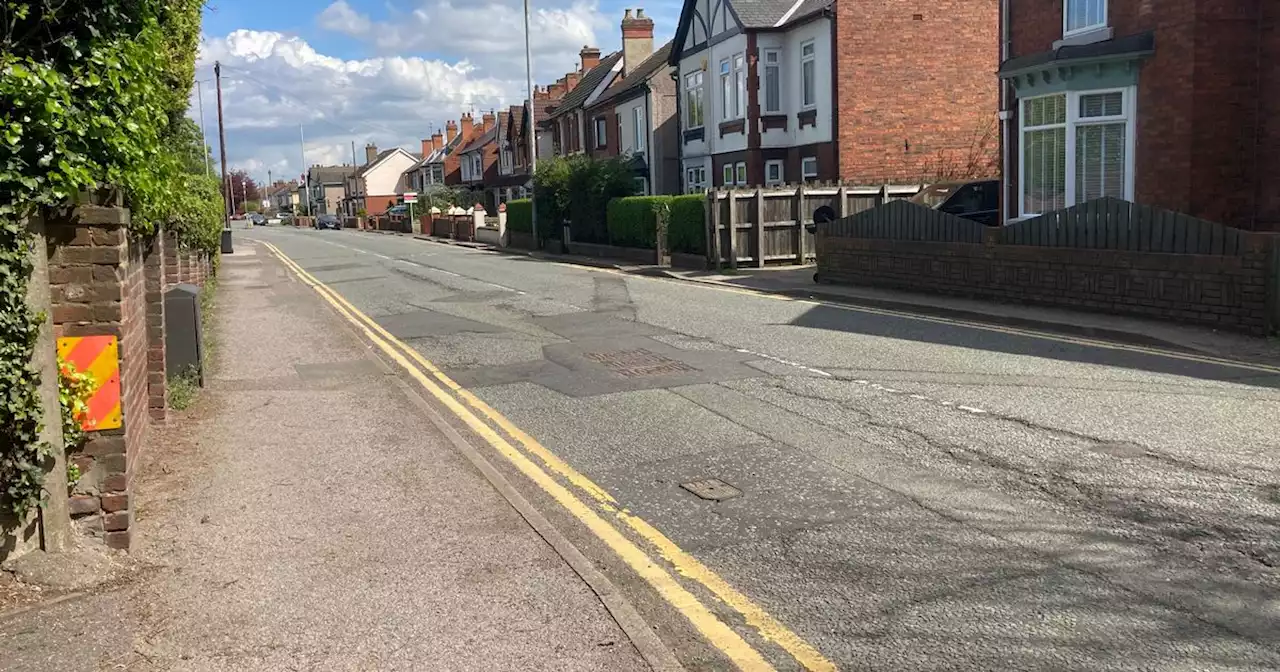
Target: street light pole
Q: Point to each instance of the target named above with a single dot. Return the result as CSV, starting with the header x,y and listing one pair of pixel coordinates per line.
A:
x,y
531,118
306,174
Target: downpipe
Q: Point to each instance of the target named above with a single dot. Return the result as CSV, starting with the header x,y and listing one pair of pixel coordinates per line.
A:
x,y
1006,118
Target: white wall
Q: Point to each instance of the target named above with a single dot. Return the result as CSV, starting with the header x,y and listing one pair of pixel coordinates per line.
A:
x,y
627,126
733,142
381,181
790,43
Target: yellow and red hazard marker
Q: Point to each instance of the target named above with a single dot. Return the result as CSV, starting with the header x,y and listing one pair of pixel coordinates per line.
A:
x,y
98,356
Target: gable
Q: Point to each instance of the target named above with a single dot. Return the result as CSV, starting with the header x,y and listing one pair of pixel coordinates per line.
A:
x,y
702,22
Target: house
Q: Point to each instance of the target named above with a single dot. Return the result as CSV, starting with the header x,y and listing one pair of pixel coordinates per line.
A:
x,y
635,115
379,183
328,187
478,160
567,120
514,180
282,196
466,130
774,91
429,172
1174,105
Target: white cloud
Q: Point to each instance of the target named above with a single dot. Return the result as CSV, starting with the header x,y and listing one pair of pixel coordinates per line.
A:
x,y
340,17
272,83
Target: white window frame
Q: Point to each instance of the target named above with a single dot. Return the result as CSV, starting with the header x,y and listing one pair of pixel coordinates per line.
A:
x,y
695,179
781,166
1066,13
810,59
740,170
805,164
640,130
693,89
726,174
602,132
740,85
726,89
771,68
506,160
1074,120
477,166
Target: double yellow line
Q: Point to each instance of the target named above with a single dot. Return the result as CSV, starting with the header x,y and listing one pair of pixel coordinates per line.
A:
x,y
471,409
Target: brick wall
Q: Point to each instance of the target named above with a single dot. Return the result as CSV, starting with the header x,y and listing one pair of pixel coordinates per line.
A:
x,y
98,284
915,86
1208,139
1226,292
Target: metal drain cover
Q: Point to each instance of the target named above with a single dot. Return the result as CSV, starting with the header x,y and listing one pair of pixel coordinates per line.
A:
x,y
637,363
712,489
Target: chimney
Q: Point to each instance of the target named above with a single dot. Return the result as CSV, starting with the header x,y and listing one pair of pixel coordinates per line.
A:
x,y
437,141
591,56
370,153
571,81
486,121
637,40
426,147
464,127
540,93
450,130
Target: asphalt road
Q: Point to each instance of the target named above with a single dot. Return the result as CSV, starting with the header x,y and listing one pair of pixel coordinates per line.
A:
x,y
914,494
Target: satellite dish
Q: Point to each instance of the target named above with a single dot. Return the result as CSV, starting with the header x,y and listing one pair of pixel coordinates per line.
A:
x,y
823,215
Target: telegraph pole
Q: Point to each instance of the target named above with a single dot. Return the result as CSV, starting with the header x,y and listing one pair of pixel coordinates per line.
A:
x,y
306,174
222,149
532,121
203,136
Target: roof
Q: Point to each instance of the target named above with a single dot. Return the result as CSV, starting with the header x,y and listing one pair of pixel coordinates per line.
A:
x,y
589,82
752,15
1130,45
381,155
516,115
635,80
484,139
438,155
329,174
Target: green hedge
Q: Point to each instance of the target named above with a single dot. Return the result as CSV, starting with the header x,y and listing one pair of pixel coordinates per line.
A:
x,y
520,216
631,220
687,230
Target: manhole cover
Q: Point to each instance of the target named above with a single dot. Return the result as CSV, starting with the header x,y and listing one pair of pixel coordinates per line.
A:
x,y
712,489
636,363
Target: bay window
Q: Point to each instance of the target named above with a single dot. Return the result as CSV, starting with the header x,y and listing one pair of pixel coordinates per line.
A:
x,y
1076,147
1082,16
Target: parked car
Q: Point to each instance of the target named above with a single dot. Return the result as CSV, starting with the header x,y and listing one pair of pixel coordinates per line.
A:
x,y
398,210
978,200
328,222
258,219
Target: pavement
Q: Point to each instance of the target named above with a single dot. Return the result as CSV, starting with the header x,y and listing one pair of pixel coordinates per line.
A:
x,y
895,491
310,513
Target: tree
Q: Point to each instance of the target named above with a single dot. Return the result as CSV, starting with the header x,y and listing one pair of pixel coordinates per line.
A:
x,y
243,189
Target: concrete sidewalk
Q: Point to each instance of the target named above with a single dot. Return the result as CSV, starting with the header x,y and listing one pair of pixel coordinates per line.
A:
x,y
306,515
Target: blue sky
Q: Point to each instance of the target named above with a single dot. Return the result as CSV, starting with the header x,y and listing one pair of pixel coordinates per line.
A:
x,y
383,71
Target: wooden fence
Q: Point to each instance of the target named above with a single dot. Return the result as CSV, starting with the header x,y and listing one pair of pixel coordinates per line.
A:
x,y
1113,224
766,225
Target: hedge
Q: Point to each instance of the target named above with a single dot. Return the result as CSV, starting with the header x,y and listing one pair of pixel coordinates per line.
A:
x,y
687,231
520,216
631,220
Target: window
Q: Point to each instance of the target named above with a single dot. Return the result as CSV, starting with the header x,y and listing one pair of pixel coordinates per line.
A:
x,y
693,100
1082,16
726,174
640,186
695,179
733,87
477,167
742,173
772,85
602,132
506,160
808,74
1076,147
640,128
773,172
809,168
740,88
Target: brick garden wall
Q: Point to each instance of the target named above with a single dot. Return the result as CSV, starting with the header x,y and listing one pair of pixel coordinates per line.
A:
x,y
104,282
1228,292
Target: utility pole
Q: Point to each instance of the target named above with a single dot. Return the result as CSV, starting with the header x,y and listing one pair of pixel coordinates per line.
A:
x,y
222,148
306,174
204,137
532,121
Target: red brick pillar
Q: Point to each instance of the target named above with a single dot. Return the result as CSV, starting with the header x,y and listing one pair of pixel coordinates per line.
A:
x,y
154,265
99,287
172,270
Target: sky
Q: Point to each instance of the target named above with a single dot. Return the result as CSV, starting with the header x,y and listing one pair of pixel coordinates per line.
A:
x,y
387,72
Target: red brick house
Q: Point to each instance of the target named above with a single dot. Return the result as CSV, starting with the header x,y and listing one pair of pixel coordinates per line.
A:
x,y
478,159
572,132
1171,104
774,91
464,132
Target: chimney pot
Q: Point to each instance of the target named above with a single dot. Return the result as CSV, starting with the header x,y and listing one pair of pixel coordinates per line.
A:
x,y
590,57
370,153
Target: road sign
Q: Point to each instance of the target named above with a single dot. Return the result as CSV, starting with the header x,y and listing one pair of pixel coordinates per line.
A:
x,y
410,197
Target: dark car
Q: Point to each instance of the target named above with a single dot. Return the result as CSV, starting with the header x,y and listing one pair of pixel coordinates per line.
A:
x,y
257,219
978,200
328,222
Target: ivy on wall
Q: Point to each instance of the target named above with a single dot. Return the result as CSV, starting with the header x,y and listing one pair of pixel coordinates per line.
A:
x,y
91,94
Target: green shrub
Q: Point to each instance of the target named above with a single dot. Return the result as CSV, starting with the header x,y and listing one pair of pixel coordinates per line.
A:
x,y
631,220
687,231
578,189
520,216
